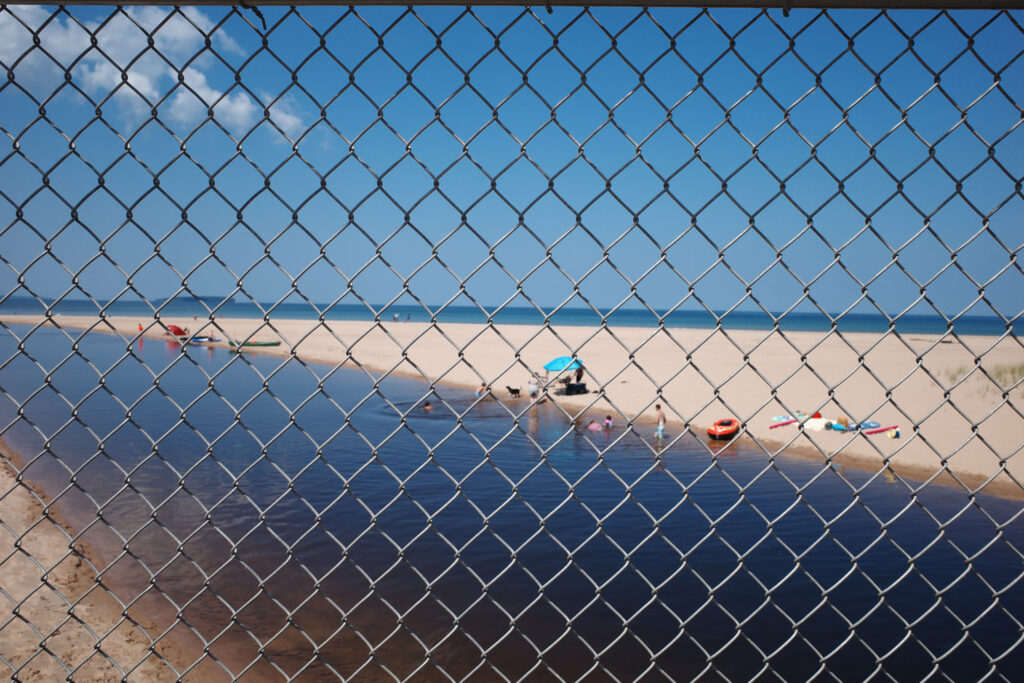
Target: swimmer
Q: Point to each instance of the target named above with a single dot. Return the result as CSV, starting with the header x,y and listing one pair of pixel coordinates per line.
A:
x,y
608,424
660,431
593,426
482,391
427,406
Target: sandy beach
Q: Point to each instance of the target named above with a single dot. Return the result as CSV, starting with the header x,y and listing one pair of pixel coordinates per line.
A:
x,y
699,376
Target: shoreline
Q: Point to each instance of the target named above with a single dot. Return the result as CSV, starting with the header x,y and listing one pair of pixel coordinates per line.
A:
x,y
74,576
704,374
52,575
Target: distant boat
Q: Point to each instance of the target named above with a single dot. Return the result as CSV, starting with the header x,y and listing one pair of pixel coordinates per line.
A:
x,y
256,343
187,298
203,340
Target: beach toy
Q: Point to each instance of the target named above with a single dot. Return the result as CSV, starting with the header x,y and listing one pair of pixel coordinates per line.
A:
x,y
854,427
817,424
726,428
879,430
893,433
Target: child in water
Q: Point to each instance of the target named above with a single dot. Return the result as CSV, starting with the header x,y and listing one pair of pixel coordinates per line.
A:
x,y
608,422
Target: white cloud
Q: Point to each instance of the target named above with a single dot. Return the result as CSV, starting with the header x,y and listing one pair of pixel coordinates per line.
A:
x,y
122,44
236,110
282,113
221,38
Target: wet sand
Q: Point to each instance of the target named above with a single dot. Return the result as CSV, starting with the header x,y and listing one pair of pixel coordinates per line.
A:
x,y
49,598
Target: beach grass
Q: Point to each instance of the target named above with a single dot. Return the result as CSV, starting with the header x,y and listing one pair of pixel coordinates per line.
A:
x,y
1008,375
1005,375
954,375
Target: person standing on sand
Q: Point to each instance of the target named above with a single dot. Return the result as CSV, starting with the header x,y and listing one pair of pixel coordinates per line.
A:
x,y
660,431
533,388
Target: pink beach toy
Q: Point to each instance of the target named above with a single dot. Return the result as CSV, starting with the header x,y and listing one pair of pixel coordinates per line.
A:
x,y
879,430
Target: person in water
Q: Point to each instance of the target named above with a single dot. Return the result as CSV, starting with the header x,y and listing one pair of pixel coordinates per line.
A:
x,y
593,426
482,391
533,388
660,431
427,406
608,424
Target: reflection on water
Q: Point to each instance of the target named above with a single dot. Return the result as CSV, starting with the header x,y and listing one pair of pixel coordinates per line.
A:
x,y
287,507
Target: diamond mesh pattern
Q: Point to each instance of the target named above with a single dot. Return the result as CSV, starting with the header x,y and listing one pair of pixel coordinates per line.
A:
x,y
476,162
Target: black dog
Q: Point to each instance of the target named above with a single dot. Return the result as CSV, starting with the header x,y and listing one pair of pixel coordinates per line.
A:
x,y
512,392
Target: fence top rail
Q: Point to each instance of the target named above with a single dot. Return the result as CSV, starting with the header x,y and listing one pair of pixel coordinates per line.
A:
x,y
767,4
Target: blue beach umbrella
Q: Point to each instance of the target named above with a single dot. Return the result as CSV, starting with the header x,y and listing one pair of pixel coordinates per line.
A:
x,y
562,363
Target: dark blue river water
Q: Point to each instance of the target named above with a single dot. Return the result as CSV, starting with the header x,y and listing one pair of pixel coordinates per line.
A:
x,y
333,519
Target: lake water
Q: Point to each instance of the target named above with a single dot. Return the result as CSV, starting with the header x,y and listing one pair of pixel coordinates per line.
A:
x,y
814,321
327,515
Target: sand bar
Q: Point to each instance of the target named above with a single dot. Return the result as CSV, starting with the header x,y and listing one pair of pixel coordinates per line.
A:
x,y
699,376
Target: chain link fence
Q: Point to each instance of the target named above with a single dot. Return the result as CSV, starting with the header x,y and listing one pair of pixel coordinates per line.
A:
x,y
464,293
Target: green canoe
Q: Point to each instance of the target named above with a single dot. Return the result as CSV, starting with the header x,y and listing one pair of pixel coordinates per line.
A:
x,y
256,343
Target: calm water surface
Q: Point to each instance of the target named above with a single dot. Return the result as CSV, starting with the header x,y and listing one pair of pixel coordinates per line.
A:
x,y
327,522
184,308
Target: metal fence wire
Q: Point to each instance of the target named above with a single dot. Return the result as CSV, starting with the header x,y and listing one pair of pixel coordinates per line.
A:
x,y
806,220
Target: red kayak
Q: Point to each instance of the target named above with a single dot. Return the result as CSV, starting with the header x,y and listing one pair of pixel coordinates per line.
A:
x,y
725,428
176,331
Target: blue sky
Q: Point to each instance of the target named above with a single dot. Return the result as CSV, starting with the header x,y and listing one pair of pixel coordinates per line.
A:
x,y
611,147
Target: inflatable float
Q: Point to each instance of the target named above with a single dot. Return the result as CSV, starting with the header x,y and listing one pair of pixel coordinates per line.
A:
x,y
726,428
792,420
839,427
